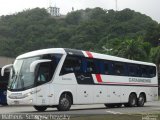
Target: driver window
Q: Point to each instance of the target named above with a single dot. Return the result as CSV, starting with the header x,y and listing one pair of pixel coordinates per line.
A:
x,y
44,73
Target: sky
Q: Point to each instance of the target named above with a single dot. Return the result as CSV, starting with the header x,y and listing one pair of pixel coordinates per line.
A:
x,y
148,7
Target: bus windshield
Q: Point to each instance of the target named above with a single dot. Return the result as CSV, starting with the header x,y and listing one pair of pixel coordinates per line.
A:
x,y
20,75
21,78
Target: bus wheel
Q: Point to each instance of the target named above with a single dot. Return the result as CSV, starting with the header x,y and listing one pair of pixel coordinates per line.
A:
x,y
132,100
40,108
64,103
141,100
110,105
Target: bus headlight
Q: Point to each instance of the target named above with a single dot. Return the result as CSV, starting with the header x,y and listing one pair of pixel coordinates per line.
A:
x,y
19,95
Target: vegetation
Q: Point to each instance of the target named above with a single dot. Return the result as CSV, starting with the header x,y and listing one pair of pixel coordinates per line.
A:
x,y
123,33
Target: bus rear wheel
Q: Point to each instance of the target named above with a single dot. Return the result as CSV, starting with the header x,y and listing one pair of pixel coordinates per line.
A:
x,y
132,100
64,103
141,100
40,108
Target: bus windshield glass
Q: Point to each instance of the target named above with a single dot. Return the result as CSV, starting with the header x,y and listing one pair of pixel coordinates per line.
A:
x,y
20,76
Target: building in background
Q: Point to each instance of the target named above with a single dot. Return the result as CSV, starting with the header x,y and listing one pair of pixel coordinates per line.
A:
x,y
54,11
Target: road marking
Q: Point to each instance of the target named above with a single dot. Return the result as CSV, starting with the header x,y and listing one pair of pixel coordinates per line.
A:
x,y
113,112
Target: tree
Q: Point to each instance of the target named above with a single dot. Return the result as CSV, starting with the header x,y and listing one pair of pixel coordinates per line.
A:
x,y
90,29
153,34
134,49
155,56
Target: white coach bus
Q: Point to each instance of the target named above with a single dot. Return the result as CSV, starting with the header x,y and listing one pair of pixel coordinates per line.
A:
x,y
61,77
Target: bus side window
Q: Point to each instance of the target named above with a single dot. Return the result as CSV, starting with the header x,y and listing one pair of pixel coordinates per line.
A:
x,y
118,68
46,70
44,73
133,70
152,71
92,66
71,64
105,68
144,72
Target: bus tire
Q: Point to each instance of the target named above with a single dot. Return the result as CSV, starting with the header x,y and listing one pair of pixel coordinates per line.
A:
x,y
40,108
132,100
65,102
141,100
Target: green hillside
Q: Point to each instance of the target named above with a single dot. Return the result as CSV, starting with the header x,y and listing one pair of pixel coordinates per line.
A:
x,y
123,33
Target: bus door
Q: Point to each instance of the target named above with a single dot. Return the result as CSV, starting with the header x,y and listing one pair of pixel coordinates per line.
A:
x,y
43,77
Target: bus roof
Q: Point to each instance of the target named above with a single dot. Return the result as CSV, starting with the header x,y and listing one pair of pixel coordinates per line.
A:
x,y
80,53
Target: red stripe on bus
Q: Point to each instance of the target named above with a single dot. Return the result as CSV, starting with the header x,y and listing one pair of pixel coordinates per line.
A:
x,y
99,79
89,54
98,76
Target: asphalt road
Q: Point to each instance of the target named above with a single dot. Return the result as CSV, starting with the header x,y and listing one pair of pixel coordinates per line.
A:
x,y
150,107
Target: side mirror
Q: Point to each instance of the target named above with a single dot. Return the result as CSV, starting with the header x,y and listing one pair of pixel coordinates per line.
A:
x,y
35,63
4,67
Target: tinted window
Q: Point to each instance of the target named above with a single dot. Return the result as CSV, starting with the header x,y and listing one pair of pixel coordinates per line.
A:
x,y
71,64
105,67
151,71
45,73
46,70
133,70
118,68
92,66
144,71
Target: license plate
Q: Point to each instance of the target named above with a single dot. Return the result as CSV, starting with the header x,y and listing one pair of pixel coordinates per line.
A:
x,y
16,102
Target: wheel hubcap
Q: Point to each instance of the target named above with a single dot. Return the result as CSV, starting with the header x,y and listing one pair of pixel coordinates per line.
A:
x,y
65,102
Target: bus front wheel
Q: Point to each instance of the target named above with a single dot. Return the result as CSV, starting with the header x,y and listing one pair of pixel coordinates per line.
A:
x,y
64,103
40,108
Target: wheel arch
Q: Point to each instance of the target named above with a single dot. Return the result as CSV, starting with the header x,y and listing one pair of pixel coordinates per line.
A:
x,y
69,93
133,93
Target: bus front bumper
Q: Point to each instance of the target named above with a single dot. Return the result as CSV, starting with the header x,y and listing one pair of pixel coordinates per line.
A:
x,y
18,98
